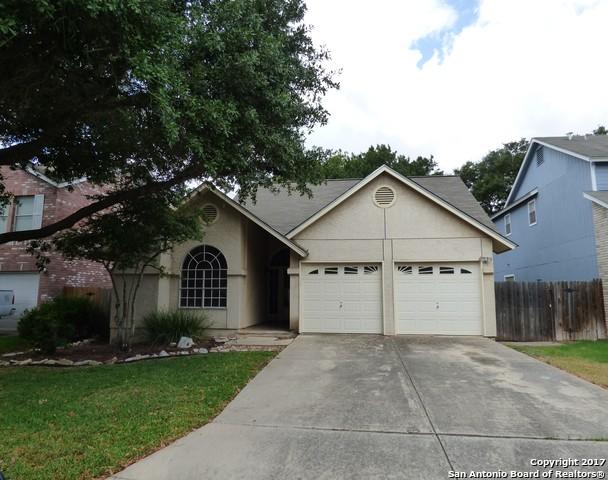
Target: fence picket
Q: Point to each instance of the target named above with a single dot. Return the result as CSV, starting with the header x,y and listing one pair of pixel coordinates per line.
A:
x,y
550,311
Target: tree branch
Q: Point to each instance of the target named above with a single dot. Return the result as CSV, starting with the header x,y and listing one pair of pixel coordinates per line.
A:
x,y
20,153
98,206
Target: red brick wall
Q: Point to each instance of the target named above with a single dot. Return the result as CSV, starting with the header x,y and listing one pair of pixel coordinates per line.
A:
x,y
58,203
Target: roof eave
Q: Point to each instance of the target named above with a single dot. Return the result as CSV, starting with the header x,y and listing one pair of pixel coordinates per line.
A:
x,y
254,218
507,244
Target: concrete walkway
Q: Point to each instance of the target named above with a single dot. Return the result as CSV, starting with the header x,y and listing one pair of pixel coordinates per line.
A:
x,y
359,406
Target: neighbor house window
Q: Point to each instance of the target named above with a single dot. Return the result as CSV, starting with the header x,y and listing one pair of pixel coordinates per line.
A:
x,y
509,278
508,224
532,212
204,279
4,219
24,213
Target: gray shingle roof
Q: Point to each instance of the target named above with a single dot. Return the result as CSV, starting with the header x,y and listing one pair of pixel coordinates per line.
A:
x,y
592,146
453,190
602,196
284,212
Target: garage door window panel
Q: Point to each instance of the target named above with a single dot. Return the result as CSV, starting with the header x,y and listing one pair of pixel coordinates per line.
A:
x,y
447,302
347,300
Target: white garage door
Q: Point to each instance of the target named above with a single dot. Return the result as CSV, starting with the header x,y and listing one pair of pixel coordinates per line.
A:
x,y
25,286
341,299
440,299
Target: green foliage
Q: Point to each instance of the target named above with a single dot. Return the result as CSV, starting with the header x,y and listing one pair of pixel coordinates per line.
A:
x,y
144,94
600,130
343,165
132,233
12,343
491,178
129,239
88,423
62,320
164,327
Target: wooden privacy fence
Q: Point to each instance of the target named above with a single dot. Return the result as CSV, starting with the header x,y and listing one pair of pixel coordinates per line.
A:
x,y
101,296
550,311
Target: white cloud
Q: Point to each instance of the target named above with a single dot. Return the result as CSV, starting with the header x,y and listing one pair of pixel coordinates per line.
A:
x,y
525,68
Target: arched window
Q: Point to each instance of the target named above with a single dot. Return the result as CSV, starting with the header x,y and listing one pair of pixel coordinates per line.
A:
x,y
204,279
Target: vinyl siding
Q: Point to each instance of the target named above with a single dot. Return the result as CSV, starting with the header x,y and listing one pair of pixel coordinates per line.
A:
x,y
601,176
561,246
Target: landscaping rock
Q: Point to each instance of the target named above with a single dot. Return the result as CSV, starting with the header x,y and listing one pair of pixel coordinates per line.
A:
x,y
27,361
112,361
4,363
64,362
220,339
201,350
12,354
185,342
85,363
50,362
163,354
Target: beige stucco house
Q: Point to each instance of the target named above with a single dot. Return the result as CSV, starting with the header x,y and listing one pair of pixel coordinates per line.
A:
x,y
384,254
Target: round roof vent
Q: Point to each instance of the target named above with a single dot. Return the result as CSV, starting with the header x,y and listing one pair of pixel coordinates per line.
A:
x,y
210,213
384,197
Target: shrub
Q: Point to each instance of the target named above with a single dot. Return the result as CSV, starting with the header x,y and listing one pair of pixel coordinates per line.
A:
x,y
62,320
169,326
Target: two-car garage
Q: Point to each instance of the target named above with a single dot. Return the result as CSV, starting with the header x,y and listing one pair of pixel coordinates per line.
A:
x,y
434,298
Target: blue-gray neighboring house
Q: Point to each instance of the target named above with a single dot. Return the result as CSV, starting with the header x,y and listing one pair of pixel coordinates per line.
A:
x,y
551,209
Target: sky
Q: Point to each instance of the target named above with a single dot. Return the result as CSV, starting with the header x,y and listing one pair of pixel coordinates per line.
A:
x,y
458,78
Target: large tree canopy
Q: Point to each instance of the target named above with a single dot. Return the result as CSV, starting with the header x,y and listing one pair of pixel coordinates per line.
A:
x,y
491,178
343,165
143,95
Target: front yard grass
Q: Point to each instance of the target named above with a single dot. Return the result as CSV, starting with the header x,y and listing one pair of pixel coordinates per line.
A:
x,y
12,343
587,359
83,423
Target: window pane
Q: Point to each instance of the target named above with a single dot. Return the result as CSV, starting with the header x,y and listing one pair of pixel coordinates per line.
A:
x,y
425,270
24,205
446,271
405,269
331,270
351,270
23,223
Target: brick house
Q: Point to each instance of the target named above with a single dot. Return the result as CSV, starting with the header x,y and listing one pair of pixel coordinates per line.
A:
x,y
39,200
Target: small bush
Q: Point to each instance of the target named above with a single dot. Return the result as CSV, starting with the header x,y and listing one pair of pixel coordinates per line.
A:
x,y
62,320
169,326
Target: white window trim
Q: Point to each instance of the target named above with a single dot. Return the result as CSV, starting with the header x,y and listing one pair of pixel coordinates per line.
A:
x,y
511,276
508,222
532,202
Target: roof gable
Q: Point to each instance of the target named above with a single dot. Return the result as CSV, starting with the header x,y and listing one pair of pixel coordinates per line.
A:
x,y
456,192
590,148
251,216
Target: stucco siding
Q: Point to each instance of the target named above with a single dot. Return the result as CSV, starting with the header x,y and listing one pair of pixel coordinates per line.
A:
x,y
412,229
561,246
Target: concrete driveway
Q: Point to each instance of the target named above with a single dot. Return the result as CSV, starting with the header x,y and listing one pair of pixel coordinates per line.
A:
x,y
365,406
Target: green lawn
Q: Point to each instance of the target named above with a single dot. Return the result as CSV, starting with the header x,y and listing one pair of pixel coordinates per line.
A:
x,y
88,422
587,359
12,343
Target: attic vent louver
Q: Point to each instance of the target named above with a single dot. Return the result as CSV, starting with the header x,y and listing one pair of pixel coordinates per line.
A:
x,y
210,213
384,197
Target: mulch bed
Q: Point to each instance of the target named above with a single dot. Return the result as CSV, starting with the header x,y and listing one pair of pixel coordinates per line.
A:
x,y
103,352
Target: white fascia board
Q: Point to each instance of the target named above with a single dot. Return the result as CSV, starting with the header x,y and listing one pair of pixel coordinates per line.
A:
x,y
521,169
242,210
418,188
548,145
52,182
516,203
596,200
